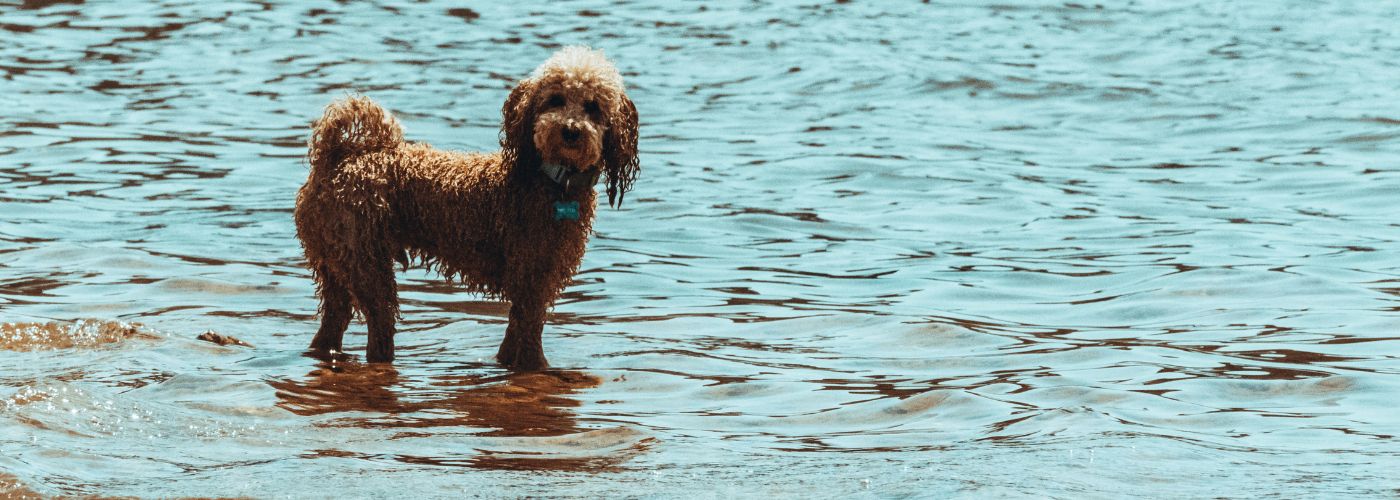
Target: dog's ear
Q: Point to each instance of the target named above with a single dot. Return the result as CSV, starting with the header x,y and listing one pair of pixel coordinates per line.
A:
x,y
518,126
620,151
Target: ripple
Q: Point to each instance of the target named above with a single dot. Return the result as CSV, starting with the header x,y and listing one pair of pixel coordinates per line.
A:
x,y
85,333
896,250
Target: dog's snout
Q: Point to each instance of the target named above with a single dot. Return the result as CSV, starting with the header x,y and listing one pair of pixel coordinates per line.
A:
x,y
570,133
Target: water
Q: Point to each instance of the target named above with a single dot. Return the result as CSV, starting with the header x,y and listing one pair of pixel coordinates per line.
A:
x,y
877,249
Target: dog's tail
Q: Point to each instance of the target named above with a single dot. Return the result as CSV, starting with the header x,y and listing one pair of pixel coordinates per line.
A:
x,y
350,127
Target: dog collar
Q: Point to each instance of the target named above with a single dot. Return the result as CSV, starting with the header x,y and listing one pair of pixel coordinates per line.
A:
x,y
555,172
563,175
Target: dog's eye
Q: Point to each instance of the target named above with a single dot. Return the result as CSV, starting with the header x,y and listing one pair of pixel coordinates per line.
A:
x,y
591,107
554,101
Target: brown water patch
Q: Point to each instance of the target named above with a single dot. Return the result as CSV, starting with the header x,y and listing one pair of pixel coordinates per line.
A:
x,y
11,487
64,335
464,14
224,340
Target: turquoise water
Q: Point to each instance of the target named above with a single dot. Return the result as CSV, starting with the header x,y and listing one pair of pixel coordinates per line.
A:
x,y
877,249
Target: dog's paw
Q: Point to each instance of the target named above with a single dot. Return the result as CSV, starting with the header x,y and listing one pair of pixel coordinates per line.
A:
x,y
520,361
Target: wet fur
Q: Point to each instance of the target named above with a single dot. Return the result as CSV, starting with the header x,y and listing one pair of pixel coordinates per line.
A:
x,y
483,219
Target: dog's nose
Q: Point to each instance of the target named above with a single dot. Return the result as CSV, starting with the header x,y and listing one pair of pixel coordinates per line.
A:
x,y
570,134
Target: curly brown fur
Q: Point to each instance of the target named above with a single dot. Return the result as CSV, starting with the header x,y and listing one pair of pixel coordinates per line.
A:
x,y
484,219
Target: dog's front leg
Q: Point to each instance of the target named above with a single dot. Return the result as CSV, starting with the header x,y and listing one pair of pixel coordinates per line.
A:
x,y
381,335
523,347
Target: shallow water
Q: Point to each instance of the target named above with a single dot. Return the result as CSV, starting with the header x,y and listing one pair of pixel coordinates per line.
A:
x,y
877,249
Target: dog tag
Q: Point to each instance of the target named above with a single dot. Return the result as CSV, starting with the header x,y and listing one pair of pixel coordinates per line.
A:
x,y
566,210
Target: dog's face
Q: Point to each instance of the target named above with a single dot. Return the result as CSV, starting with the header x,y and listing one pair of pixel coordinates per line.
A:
x,y
573,111
570,122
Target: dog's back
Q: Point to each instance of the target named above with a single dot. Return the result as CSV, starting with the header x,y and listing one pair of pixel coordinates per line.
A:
x,y
368,187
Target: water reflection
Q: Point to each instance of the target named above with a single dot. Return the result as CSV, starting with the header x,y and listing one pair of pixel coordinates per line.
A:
x,y
512,404
513,421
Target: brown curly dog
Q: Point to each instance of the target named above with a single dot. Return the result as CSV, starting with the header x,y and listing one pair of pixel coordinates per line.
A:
x,y
511,224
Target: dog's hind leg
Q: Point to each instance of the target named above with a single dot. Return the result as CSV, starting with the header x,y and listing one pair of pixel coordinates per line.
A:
x,y
335,313
377,297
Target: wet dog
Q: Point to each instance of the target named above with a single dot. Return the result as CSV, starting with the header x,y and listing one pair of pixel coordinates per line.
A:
x,y
511,224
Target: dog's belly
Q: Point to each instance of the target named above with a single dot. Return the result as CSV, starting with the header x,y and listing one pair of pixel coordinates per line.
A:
x,y
474,263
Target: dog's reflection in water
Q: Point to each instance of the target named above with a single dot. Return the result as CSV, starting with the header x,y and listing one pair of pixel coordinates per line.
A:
x,y
376,395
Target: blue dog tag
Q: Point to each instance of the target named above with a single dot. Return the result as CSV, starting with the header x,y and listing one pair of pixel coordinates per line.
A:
x,y
566,210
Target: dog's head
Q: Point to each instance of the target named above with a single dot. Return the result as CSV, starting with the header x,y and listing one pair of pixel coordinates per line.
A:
x,y
573,111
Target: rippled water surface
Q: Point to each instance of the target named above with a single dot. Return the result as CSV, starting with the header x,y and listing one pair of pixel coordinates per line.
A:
x,y
877,249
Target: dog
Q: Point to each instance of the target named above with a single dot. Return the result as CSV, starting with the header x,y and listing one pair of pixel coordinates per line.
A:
x,y
510,225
